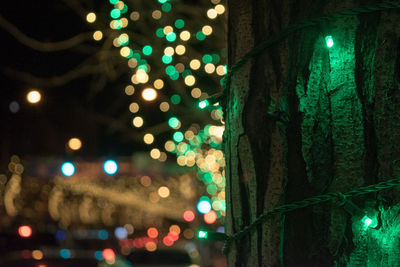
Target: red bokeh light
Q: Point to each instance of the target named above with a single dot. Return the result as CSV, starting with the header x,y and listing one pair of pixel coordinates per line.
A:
x,y
168,241
108,254
188,216
173,235
210,217
152,232
25,231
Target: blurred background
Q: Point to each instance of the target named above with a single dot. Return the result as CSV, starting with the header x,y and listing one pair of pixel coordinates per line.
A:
x,y
111,132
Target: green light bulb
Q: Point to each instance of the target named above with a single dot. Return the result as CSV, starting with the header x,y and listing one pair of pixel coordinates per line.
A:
x,y
367,221
329,41
202,234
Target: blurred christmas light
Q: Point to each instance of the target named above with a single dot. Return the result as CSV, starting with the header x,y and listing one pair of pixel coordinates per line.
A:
x,y
68,169
188,216
110,167
102,234
14,107
210,217
91,17
203,206
108,254
329,41
25,231
152,232
202,234
149,94
120,233
203,104
33,96
65,253
74,143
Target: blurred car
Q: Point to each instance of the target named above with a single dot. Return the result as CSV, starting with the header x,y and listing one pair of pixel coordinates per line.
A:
x,y
161,258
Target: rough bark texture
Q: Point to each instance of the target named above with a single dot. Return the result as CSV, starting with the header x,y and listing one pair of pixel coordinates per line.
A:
x,y
304,120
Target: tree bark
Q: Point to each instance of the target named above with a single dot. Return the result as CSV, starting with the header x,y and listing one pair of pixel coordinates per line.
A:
x,y
303,120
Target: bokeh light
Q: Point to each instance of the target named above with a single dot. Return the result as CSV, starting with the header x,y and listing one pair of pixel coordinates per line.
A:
x,y
110,167
149,94
163,192
68,169
152,232
210,217
188,216
33,97
74,143
91,17
203,206
25,231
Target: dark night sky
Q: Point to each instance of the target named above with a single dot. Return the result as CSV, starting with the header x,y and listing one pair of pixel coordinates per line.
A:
x,y
44,129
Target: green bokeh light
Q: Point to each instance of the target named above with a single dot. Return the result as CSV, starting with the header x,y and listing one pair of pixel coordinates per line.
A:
x,y
179,23
160,32
178,136
162,1
124,9
215,58
202,234
171,37
207,58
170,70
166,59
113,2
115,13
173,122
166,7
147,50
200,36
175,99
174,76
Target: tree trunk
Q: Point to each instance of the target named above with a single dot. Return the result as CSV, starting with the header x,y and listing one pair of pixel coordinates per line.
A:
x,y
302,120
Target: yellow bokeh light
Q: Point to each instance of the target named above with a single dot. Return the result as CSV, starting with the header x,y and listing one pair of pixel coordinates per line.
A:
x,y
37,254
116,43
148,138
220,9
158,84
97,35
156,14
124,22
145,181
132,63
163,157
75,143
184,35
190,80
215,1
137,122
135,16
134,79
181,160
141,76
195,64
212,13
175,229
169,51
221,70
168,29
134,107
164,106
163,192
125,51
180,49
169,146
180,67
196,92
155,153
149,94
209,68
91,17
33,96
129,90
207,30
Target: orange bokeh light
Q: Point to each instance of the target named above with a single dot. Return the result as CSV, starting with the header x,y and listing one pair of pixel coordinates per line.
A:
x,y
188,216
210,217
152,232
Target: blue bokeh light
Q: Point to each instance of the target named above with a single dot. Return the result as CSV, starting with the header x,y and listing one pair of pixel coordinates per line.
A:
x,y
110,167
68,169
61,235
120,233
65,253
103,234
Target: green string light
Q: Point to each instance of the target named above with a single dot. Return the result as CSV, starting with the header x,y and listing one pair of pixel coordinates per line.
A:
x,y
203,104
202,234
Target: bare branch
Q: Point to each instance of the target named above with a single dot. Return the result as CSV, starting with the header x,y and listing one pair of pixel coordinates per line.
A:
x,y
42,46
